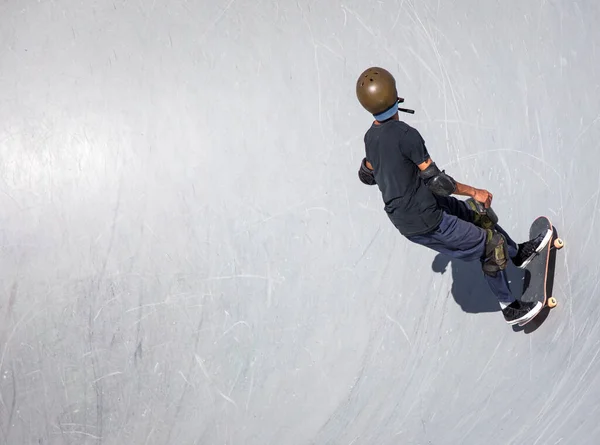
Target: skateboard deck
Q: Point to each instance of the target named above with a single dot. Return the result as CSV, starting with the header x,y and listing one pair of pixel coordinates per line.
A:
x,y
539,273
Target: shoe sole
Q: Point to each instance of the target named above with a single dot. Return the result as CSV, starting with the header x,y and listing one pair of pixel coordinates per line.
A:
x,y
528,316
541,247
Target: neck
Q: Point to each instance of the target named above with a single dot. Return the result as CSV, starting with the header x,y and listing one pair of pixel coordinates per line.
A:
x,y
393,118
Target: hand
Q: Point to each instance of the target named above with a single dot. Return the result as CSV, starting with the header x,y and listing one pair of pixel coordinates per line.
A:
x,y
484,197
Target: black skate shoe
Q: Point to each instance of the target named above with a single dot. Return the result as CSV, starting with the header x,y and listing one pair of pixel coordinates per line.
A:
x,y
529,249
521,311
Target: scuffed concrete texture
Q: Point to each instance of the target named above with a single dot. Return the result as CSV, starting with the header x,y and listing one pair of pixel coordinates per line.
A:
x,y
187,255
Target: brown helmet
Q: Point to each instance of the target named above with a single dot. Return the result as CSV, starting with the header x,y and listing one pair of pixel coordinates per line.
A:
x,y
376,90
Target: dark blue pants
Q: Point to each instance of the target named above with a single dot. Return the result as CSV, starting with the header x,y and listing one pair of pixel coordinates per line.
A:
x,y
459,238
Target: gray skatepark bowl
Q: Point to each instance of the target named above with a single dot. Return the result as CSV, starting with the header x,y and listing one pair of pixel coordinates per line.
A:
x,y
187,255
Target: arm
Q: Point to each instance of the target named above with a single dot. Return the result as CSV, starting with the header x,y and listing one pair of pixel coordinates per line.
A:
x,y
442,184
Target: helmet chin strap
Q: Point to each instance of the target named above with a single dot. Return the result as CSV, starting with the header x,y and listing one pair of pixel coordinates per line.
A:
x,y
390,112
404,110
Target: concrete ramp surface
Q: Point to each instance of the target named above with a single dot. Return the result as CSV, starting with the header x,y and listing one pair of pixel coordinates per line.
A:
x,y
188,257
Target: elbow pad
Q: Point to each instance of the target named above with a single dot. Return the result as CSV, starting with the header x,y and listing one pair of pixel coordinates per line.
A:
x,y
438,181
365,175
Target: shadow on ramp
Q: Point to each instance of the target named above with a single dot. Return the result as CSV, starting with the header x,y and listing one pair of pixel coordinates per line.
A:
x,y
473,294
469,287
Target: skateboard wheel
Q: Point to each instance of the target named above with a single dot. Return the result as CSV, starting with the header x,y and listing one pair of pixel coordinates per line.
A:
x,y
552,302
558,243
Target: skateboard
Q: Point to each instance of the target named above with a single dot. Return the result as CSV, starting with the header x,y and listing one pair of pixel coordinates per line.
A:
x,y
539,273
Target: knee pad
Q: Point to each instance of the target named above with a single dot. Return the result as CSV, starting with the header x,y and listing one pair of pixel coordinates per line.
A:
x,y
482,217
496,253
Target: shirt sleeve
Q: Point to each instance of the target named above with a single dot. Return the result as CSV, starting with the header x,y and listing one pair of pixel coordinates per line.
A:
x,y
413,147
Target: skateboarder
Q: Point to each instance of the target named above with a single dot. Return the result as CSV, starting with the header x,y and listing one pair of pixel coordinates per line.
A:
x,y
417,197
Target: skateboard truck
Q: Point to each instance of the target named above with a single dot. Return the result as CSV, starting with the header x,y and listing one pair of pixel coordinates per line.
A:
x,y
404,110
